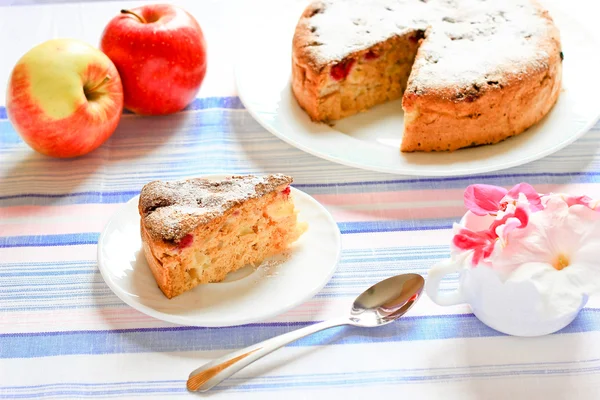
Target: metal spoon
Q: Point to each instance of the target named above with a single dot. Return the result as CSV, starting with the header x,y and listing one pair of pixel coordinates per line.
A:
x,y
379,305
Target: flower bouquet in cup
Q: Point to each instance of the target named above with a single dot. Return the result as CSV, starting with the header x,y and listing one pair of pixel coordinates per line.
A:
x,y
527,261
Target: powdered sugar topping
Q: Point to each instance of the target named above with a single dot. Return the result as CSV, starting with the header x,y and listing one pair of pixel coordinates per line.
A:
x,y
171,210
467,40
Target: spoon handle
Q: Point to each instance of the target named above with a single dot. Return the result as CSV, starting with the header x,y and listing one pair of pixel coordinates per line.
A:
x,y
214,372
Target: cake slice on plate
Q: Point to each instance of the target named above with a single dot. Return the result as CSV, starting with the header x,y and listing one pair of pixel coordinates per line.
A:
x,y
198,230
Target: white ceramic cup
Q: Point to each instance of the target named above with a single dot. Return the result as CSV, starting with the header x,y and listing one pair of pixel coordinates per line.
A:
x,y
514,308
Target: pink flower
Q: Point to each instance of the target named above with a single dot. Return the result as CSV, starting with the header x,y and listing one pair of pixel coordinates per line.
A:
x,y
519,219
483,243
583,200
483,199
488,199
573,200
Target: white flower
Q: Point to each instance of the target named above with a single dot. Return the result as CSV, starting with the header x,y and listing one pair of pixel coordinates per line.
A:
x,y
558,251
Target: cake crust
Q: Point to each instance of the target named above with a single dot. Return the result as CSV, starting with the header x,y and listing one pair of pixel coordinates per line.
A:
x,y
483,71
171,210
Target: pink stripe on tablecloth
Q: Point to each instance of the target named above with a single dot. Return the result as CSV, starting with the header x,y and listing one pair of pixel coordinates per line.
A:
x,y
389,197
72,210
93,217
49,254
99,220
432,195
72,226
342,215
77,217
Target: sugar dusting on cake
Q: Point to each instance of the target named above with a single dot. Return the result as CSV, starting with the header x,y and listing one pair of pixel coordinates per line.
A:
x,y
340,28
171,210
467,40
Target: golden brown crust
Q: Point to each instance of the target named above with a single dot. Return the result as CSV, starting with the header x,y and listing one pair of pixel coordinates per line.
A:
x,y
505,105
163,276
171,210
439,124
305,38
308,74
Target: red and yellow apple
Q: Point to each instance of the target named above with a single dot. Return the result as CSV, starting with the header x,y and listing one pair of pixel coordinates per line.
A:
x,y
160,53
64,98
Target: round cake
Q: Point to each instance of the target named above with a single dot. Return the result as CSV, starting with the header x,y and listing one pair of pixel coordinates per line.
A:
x,y
470,72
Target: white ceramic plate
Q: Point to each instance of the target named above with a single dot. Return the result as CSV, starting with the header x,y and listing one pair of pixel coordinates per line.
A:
x,y
246,296
371,140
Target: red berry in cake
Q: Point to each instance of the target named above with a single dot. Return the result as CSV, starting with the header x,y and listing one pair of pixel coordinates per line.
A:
x,y
286,191
186,241
342,69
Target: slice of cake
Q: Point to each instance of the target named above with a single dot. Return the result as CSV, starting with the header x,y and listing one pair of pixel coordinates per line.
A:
x,y
198,230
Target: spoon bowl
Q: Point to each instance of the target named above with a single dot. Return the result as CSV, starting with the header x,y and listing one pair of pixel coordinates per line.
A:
x,y
386,301
380,304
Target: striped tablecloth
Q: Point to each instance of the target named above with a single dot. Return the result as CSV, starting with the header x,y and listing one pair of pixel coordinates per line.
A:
x,y
64,334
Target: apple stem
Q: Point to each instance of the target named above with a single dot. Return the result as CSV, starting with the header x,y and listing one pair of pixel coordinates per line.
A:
x,y
142,20
90,91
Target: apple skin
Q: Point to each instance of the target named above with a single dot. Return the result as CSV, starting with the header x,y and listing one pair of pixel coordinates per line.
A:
x,y
64,98
160,53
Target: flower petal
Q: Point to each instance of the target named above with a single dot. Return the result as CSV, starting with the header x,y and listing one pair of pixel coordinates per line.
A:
x,y
520,214
504,230
467,240
481,243
483,199
560,293
528,243
579,200
535,200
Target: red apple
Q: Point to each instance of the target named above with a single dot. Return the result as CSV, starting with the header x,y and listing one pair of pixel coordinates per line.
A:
x,y
64,98
160,53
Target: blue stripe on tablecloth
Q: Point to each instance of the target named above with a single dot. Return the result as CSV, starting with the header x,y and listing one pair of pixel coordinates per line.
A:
x,y
112,197
348,255
396,225
215,112
81,198
307,381
375,256
74,239
70,239
204,103
78,284
43,344
47,273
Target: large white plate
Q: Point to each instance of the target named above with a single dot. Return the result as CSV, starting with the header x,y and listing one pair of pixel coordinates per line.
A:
x,y
246,296
371,140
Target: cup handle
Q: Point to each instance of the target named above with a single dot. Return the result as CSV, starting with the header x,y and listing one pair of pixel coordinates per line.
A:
x,y
435,276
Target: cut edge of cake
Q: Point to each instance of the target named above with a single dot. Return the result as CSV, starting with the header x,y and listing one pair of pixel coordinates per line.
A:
x,y
332,90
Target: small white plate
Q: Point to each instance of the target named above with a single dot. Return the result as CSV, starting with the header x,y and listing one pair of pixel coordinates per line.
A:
x,y
371,140
246,296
